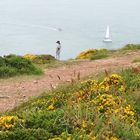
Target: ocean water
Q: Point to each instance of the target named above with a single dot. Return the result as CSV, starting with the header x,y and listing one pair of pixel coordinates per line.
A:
x,y
31,26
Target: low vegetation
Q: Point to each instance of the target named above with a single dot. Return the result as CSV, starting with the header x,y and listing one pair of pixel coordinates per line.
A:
x,y
48,61
40,59
93,54
99,55
12,65
136,60
89,110
131,47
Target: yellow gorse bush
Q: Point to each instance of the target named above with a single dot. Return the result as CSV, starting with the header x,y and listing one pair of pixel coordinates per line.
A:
x,y
88,53
106,99
105,103
7,122
43,103
110,85
30,56
128,111
114,81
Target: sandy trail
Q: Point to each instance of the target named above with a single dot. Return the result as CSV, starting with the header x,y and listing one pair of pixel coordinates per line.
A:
x,y
12,92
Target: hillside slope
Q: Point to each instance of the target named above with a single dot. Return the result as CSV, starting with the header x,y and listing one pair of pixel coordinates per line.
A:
x,y
16,90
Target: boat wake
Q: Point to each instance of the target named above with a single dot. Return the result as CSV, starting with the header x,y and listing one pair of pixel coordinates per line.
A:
x,y
35,26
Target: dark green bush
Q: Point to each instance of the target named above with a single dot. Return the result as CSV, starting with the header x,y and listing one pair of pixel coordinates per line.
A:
x,y
6,71
25,134
52,121
2,62
14,65
17,62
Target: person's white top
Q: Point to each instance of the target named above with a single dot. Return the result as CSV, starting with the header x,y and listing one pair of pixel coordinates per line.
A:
x,y
58,46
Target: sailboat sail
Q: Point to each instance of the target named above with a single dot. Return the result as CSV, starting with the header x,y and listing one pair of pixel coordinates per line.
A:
x,y
107,35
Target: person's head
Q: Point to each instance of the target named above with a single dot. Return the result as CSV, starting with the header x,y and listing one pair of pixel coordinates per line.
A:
x,y
58,42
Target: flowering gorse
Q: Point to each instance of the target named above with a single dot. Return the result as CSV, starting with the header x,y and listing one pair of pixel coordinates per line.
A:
x,y
7,122
113,83
97,103
30,56
88,53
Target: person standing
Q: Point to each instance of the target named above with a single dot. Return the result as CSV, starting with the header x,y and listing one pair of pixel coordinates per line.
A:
x,y
58,49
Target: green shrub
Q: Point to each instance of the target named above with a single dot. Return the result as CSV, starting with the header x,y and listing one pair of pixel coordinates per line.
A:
x,y
25,134
14,65
17,62
131,47
6,71
52,121
2,62
99,55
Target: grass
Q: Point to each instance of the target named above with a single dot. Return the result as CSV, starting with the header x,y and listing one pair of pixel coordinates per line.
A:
x,y
57,64
99,56
128,49
131,47
132,78
136,60
132,81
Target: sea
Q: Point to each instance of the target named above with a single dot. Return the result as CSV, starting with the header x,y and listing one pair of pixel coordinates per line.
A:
x,y
34,26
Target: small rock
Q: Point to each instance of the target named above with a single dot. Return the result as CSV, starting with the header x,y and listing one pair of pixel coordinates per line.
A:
x,y
24,96
35,82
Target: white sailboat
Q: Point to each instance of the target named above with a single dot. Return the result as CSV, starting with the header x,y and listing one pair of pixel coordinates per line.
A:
x,y
107,35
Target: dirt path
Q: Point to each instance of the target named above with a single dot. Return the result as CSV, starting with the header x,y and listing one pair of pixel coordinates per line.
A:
x,y
12,92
